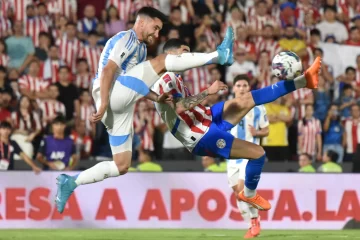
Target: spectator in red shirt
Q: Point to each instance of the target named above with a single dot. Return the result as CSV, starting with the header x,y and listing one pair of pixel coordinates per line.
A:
x,y
354,39
242,42
5,114
82,140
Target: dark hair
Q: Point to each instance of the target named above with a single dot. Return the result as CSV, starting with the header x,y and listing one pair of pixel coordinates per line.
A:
x,y
268,25
315,31
304,119
261,1
353,29
174,43
152,13
70,24
59,119
332,155
64,67
175,9
347,86
350,69
41,5
3,69
306,155
241,77
30,6
93,33
2,41
79,60
329,7
33,123
319,49
108,15
5,124
82,91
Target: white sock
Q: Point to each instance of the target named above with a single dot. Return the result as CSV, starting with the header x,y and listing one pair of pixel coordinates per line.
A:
x,y
98,173
244,211
254,212
185,61
249,193
300,82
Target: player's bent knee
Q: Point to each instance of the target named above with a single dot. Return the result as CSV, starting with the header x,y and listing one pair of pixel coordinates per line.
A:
x,y
258,152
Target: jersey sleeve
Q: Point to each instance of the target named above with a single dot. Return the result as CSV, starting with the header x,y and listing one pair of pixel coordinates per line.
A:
x,y
16,147
168,84
121,49
264,122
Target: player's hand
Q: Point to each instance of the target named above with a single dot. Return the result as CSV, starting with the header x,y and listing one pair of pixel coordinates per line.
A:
x,y
164,98
252,131
216,87
52,166
36,170
99,114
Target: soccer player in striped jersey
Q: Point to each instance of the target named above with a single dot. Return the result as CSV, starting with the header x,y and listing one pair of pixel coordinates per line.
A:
x,y
123,77
252,127
204,131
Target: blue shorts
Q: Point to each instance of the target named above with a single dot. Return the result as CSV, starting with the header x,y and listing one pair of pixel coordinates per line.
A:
x,y
217,142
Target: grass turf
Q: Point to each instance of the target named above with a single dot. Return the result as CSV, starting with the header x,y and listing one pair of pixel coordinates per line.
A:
x,y
160,234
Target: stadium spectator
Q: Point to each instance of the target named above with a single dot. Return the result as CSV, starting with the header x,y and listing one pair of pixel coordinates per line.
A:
x,y
354,39
91,52
67,8
321,100
351,135
50,68
5,114
4,84
51,107
329,26
27,125
326,70
305,164
263,70
124,8
82,140
19,48
309,134
146,164
333,131
329,163
57,151
346,101
88,23
240,66
43,14
83,78
236,20
34,25
68,92
84,110
4,58
290,43
113,23
41,51
100,29
143,125
242,41
268,41
210,165
8,148
205,28
5,29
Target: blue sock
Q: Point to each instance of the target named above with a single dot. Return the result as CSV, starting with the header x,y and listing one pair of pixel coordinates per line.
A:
x,y
253,171
273,92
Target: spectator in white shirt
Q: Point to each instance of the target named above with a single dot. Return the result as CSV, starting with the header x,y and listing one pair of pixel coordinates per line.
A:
x,y
330,26
240,66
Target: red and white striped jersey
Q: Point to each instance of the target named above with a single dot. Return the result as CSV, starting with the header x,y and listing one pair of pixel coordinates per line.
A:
x,y
212,38
348,10
352,130
4,59
301,11
124,8
271,46
5,5
233,24
49,70
138,4
85,113
69,51
33,27
265,81
257,23
248,46
50,108
197,79
84,80
92,55
298,95
62,7
85,142
5,27
19,8
190,126
33,84
30,123
309,131
146,135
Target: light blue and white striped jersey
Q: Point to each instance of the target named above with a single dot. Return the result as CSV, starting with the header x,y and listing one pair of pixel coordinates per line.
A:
x,y
125,50
256,118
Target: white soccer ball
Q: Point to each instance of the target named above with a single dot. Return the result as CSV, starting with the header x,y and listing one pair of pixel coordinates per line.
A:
x,y
286,65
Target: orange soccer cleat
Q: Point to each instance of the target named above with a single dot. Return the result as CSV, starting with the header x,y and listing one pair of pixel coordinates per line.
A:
x,y
257,201
248,234
312,74
255,226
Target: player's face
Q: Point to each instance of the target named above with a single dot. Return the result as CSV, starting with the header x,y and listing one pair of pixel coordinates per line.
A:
x,y
241,87
303,161
54,92
151,30
58,128
5,132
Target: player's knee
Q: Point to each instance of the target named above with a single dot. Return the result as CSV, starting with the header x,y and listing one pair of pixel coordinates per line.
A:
x,y
258,152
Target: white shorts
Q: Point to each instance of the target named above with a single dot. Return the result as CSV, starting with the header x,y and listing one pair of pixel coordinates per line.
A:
x,y
236,172
126,90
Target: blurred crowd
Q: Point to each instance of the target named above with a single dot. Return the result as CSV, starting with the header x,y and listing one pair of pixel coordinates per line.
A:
x,y
49,53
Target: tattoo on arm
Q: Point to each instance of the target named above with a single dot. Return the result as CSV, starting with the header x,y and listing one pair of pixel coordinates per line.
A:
x,y
192,101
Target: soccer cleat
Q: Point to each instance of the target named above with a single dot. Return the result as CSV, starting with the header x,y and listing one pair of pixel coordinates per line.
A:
x,y
312,74
66,186
255,226
257,201
225,49
248,234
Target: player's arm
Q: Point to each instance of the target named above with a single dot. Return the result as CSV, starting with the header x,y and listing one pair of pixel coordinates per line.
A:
x,y
263,124
183,104
262,132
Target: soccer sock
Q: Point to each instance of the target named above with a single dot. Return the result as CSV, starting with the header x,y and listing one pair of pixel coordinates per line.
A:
x,y
244,210
279,89
97,173
185,61
254,212
252,175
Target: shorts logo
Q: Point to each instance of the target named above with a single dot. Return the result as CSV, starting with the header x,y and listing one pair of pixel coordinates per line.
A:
x,y
221,143
122,55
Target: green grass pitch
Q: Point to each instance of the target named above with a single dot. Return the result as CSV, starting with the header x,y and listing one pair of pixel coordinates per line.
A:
x,y
160,234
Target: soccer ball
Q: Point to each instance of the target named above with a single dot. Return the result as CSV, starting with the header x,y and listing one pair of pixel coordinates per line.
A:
x,y
286,65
